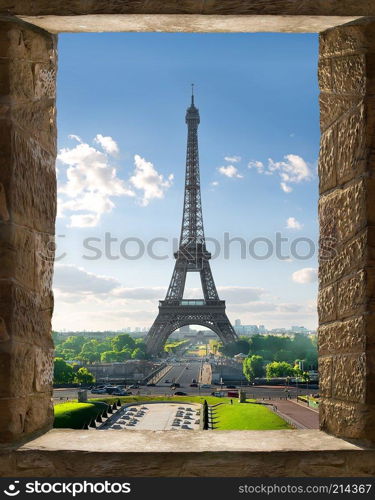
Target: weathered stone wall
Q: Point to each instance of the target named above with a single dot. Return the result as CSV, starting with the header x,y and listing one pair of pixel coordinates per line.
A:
x,y
346,302
27,217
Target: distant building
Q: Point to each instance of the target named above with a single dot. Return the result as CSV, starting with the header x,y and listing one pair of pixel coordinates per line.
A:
x,y
299,329
246,329
237,322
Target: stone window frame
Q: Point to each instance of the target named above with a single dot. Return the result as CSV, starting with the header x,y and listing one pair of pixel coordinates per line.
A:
x,y
27,212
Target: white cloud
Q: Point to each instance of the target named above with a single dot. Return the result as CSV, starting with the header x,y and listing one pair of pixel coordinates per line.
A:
x,y
91,182
305,275
292,170
107,143
214,183
230,171
232,159
140,293
75,137
285,187
293,223
258,165
75,280
147,179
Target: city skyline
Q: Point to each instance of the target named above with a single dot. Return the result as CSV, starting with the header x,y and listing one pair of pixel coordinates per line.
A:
x,y
121,173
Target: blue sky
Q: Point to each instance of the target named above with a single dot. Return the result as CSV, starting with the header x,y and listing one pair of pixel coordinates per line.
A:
x,y
122,141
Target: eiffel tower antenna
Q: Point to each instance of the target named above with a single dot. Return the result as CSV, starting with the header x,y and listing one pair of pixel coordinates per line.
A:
x,y
191,256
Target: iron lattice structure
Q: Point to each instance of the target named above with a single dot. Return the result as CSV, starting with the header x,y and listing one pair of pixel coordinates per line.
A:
x,y
192,256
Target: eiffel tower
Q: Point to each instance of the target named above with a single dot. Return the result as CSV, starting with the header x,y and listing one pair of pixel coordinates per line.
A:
x,y
192,256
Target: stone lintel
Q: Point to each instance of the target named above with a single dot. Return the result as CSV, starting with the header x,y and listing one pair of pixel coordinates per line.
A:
x,y
186,23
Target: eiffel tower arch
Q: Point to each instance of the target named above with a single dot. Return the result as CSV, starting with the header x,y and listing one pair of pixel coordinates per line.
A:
x,y
192,256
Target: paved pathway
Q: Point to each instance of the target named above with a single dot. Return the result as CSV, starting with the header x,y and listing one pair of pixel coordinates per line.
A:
x,y
302,416
155,417
206,374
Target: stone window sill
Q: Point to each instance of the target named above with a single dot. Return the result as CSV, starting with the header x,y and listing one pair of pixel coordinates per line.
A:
x,y
298,453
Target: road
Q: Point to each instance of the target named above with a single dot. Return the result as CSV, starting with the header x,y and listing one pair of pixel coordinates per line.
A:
x,y
301,416
182,373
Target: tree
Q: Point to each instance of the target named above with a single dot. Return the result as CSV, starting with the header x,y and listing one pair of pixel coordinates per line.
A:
x,y
138,354
110,357
123,341
253,367
279,369
62,372
233,348
125,354
83,376
283,355
73,343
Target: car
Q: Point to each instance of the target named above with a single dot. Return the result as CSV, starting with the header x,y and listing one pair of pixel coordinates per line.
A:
x,y
205,386
193,385
180,393
231,387
113,389
174,385
98,390
194,380
134,386
121,392
151,385
166,381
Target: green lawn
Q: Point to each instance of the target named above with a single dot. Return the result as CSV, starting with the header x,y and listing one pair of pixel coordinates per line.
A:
x,y
239,416
75,415
247,416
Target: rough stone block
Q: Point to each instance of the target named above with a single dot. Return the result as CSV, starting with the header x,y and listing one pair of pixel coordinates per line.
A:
x,y
345,259
349,378
43,375
23,416
28,176
325,375
327,166
17,366
342,41
17,254
32,199
351,145
349,74
348,336
347,420
345,212
333,107
18,42
356,293
23,316
327,304
44,259
37,119
325,74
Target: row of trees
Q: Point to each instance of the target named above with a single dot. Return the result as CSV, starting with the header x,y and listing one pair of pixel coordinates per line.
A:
x,y
255,367
109,350
174,347
274,348
65,373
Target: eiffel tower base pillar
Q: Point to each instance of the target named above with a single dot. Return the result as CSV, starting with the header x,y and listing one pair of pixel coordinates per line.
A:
x,y
208,314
